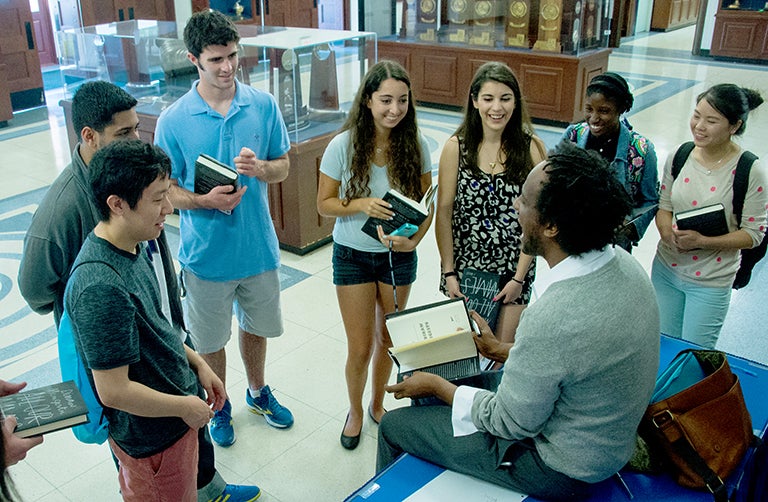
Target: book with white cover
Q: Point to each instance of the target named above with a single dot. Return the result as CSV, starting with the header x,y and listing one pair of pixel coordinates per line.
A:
x,y
436,338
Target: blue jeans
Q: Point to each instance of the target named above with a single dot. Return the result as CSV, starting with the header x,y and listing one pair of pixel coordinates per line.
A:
x,y
689,311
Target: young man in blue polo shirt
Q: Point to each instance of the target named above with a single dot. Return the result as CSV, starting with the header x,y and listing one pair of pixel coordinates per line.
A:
x,y
229,251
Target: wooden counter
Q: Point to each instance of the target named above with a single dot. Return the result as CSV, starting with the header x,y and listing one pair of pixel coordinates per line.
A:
x,y
553,84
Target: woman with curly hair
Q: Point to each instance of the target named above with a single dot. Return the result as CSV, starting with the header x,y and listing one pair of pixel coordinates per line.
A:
x,y
379,148
482,170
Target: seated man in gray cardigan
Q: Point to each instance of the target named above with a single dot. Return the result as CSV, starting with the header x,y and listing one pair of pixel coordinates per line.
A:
x,y
582,368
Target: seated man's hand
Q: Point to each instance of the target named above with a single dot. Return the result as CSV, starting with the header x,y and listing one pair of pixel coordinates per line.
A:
x,y
487,343
419,384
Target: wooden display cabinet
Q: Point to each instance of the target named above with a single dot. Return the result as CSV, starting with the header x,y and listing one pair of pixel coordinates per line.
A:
x,y
6,113
740,34
554,47
296,13
673,14
553,84
92,12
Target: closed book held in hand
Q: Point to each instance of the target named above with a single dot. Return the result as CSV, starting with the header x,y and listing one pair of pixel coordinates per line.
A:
x,y
406,210
708,220
480,288
45,409
210,173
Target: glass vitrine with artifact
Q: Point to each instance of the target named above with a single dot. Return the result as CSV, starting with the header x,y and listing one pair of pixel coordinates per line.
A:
x,y
313,75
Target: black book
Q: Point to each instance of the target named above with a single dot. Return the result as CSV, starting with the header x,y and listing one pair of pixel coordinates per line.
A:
x,y
45,409
210,173
480,288
707,220
406,210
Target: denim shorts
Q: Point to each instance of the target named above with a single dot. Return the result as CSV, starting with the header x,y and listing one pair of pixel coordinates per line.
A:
x,y
351,267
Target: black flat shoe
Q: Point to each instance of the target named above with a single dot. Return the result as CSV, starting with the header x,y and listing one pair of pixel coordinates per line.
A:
x,y
350,442
370,414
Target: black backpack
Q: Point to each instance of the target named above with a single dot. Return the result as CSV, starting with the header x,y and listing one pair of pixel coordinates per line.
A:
x,y
749,257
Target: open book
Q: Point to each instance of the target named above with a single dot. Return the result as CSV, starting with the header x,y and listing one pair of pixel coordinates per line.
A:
x,y
45,409
436,338
406,210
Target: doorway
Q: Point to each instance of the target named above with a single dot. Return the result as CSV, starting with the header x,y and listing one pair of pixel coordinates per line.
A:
x,y
41,20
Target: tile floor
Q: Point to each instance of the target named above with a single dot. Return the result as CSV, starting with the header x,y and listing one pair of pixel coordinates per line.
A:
x,y
305,366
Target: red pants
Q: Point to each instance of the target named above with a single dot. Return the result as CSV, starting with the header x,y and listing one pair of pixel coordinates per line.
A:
x,y
170,475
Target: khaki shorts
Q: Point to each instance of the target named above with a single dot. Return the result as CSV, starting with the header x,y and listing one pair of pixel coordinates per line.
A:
x,y
208,308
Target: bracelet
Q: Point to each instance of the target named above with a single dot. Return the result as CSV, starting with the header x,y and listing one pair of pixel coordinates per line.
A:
x,y
519,282
452,273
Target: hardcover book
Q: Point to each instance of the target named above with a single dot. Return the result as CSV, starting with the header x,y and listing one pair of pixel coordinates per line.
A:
x,y
210,173
480,288
406,210
707,220
45,409
436,338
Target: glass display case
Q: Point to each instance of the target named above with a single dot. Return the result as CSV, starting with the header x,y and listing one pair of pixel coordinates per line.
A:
x,y
560,26
313,74
754,5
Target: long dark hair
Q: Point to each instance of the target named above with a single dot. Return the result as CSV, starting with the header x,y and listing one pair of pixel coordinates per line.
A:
x,y
516,137
733,102
405,160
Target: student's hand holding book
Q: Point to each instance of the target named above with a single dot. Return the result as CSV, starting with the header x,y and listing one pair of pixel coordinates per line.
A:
x,y
222,198
16,448
687,240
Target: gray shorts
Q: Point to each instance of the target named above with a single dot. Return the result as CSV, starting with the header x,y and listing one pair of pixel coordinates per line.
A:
x,y
208,307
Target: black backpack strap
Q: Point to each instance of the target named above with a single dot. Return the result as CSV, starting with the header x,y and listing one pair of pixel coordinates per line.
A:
x,y
681,155
740,183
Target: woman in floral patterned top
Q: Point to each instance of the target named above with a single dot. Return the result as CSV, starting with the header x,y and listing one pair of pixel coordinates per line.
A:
x,y
631,155
482,170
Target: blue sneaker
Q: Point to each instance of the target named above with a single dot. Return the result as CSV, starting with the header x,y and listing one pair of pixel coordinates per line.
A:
x,y
222,432
238,493
267,406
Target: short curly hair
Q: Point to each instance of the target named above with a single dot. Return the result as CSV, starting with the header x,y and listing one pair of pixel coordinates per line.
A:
x,y
209,27
582,198
96,103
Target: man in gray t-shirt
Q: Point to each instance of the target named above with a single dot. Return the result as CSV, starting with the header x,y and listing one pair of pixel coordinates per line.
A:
x,y
150,383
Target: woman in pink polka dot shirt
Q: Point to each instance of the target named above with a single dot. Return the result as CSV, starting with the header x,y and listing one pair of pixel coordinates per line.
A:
x,y
693,273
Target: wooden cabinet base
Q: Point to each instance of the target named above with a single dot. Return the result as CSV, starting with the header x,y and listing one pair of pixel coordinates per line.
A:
x,y
6,113
552,84
293,202
740,34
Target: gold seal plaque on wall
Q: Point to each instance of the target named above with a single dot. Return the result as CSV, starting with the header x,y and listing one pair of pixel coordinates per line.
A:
x,y
459,6
518,9
483,8
550,11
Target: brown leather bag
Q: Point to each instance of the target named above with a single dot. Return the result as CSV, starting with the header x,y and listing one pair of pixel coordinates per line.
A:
x,y
702,432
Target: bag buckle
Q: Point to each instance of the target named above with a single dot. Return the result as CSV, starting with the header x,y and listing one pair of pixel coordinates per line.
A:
x,y
717,488
660,420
